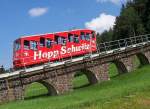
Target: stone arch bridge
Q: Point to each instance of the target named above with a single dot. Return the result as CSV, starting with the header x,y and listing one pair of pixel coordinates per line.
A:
x,y
58,78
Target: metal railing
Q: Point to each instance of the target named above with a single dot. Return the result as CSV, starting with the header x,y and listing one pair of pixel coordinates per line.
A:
x,y
128,42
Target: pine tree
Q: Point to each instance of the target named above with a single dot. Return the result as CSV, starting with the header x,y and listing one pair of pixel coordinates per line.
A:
x,y
146,17
128,23
140,6
98,39
106,36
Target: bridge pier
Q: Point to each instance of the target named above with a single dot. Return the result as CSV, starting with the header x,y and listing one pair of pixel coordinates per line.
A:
x,y
16,93
59,85
101,72
147,54
96,74
10,91
125,64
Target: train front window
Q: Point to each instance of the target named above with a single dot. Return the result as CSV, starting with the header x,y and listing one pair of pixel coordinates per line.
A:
x,y
87,37
93,34
26,45
33,45
17,45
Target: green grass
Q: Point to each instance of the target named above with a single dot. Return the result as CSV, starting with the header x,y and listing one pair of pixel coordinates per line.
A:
x,y
127,91
34,90
113,70
80,81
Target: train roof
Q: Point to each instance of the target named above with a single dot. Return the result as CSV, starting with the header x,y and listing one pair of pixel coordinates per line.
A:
x,y
55,33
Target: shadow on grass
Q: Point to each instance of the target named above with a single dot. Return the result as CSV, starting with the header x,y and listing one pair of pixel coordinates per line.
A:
x,y
46,95
79,87
36,96
115,76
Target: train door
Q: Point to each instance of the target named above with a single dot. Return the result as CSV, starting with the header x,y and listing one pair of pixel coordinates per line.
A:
x,y
51,55
77,44
42,48
93,41
46,48
29,47
90,40
70,44
83,41
60,41
16,53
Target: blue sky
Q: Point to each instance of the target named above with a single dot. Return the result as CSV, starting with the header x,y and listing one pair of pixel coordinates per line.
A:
x,y
28,17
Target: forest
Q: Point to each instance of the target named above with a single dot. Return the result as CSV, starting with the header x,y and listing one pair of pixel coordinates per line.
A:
x,y
134,20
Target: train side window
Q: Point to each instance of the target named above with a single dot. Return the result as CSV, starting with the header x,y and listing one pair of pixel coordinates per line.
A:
x,y
48,43
33,45
63,41
87,36
70,37
76,39
42,42
58,39
26,44
82,36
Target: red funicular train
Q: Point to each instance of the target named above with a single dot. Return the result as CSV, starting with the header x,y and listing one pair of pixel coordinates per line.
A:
x,y
37,49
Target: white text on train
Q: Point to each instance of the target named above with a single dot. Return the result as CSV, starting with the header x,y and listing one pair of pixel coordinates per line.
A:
x,y
64,50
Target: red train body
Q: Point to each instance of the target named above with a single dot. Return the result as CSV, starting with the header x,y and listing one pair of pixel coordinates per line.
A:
x,y
37,49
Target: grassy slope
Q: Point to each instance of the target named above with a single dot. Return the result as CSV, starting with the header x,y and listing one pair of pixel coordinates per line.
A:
x,y
128,91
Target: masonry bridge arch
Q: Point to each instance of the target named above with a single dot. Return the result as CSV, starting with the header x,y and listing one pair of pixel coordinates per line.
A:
x,y
50,87
121,67
88,78
39,89
143,58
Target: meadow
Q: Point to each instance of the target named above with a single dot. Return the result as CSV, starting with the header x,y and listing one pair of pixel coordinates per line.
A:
x,y
125,91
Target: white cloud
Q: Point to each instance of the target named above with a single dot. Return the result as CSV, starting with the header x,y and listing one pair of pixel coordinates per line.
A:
x,y
113,1
35,12
101,23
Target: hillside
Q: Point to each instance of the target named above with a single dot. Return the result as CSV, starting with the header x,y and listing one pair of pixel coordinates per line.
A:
x,y
127,91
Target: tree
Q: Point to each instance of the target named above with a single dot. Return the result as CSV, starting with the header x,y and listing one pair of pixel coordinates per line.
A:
x,y
128,23
134,20
140,6
105,36
98,38
146,17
